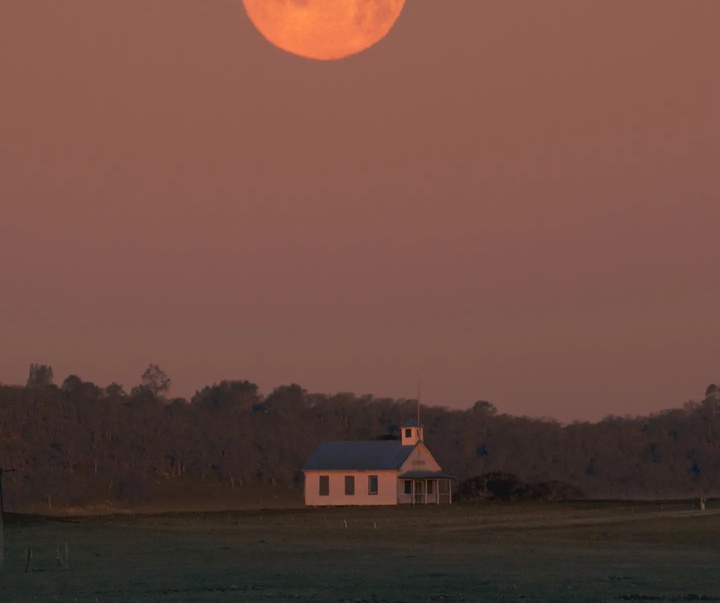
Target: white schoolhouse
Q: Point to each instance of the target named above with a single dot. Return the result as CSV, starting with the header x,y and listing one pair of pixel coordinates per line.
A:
x,y
382,472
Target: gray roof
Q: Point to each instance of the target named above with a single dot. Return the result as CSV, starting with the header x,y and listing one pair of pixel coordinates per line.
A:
x,y
357,456
411,423
425,475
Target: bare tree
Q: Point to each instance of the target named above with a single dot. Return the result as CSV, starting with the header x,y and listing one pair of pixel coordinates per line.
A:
x,y
155,380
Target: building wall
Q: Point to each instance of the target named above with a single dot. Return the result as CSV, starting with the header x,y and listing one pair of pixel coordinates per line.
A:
x,y
402,498
387,488
420,459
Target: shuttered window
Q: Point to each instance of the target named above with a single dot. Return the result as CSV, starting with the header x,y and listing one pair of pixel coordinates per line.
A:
x,y
324,485
349,485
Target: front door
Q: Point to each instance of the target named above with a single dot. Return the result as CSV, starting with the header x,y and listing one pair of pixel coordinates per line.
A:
x,y
419,496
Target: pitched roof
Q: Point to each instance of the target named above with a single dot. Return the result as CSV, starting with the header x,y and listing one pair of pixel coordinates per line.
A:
x,y
411,423
425,475
374,455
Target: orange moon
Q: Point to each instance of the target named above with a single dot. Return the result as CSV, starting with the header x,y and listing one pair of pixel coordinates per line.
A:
x,y
324,29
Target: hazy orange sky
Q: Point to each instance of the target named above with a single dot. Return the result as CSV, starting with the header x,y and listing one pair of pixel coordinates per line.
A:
x,y
520,200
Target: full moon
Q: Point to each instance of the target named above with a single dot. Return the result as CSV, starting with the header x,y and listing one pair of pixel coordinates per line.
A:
x,y
324,29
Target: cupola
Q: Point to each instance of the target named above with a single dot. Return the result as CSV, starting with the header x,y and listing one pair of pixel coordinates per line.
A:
x,y
411,433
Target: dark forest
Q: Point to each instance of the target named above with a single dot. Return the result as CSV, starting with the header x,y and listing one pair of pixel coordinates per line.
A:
x,y
77,444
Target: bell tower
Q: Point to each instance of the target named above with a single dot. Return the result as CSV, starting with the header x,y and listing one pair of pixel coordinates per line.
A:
x,y
412,433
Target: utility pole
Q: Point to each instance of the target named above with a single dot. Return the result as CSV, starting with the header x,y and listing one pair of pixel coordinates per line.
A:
x,y
2,513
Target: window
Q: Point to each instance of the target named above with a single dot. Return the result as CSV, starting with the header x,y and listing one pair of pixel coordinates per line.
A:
x,y
430,487
408,433
324,485
349,485
408,486
372,484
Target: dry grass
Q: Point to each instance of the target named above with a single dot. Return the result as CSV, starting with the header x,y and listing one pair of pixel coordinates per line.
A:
x,y
529,552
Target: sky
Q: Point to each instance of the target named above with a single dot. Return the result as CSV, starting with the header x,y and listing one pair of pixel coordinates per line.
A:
x,y
518,201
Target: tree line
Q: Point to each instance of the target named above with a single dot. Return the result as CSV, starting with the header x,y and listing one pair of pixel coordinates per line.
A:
x,y
78,444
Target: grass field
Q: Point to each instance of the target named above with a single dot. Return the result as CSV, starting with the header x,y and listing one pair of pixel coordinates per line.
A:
x,y
521,552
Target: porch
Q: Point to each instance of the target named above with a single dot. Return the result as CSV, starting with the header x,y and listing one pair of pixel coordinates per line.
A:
x,y
425,488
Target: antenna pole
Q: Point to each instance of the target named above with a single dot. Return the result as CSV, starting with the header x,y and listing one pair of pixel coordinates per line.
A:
x,y
418,408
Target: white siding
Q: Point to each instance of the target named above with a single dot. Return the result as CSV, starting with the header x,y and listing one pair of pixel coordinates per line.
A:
x,y
402,498
387,488
420,459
